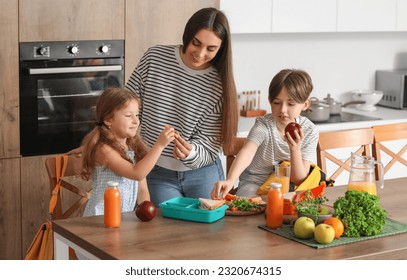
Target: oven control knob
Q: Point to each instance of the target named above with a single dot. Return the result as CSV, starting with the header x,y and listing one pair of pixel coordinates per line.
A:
x,y
104,49
42,51
73,50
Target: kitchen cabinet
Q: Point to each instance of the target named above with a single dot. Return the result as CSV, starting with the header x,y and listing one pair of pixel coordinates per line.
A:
x,y
35,196
289,16
10,207
69,20
248,16
401,15
367,15
303,16
9,95
151,22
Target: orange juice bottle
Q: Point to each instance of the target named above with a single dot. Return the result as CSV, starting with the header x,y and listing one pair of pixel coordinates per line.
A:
x,y
275,206
112,209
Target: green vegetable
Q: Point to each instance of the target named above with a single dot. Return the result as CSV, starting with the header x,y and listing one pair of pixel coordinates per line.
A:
x,y
361,213
243,204
309,204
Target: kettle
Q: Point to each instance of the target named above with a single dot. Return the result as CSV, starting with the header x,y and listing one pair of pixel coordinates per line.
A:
x,y
362,174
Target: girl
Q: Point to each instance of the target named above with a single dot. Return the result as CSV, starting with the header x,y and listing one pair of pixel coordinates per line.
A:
x,y
267,144
114,151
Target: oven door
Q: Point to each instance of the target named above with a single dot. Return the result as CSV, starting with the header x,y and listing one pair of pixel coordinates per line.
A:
x,y
57,101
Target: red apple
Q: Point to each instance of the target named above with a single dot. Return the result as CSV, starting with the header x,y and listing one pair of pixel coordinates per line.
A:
x,y
291,127
146,211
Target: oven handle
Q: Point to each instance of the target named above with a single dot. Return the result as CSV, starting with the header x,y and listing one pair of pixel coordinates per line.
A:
x,y
82,69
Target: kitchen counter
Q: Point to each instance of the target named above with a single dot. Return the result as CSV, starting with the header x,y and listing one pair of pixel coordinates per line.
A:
x,y
386,115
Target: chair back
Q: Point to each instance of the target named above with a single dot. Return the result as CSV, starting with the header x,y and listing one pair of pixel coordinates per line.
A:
x,y
231,150
358,141
383,135
75,192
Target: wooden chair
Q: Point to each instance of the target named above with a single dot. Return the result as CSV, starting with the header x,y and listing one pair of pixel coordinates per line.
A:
x,y
359,141
75,191
383,134
230,151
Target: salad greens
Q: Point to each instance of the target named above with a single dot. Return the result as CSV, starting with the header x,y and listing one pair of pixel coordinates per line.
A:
x,y
309,204
243,205
361,213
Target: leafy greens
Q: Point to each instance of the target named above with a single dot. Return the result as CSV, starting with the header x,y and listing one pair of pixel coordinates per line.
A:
x,y
361,213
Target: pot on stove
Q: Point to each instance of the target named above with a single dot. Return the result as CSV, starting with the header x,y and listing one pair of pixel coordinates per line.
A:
x,y
317,111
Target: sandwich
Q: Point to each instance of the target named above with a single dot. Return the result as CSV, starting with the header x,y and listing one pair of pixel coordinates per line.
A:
x,y
211,204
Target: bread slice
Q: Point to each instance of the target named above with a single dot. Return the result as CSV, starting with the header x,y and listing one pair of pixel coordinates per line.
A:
x,y
211,204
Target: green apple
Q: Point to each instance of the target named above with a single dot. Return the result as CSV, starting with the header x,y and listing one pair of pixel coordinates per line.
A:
x,y
324,211
324,233
304,228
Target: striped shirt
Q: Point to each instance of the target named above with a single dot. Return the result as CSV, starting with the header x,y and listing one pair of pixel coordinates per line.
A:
x,y
188,100
272,149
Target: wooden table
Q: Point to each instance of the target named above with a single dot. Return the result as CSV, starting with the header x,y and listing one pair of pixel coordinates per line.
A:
x,y
233,237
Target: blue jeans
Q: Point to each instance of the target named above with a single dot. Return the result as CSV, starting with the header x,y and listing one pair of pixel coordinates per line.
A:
x,y
165,184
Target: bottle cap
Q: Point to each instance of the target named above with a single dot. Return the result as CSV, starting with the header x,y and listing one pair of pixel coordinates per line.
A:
x,y
275,185
112,184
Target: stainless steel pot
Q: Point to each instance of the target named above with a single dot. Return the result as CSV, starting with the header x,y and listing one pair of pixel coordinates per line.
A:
x,y
335,107
317,111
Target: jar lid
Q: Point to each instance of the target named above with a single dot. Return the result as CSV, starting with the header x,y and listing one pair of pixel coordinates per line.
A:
x,y
275,185
112,184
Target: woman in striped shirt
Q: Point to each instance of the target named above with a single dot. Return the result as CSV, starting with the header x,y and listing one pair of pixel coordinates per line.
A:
x,y
191,88
267,143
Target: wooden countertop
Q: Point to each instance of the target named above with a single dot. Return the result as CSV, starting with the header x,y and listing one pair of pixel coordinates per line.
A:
x,y
233,237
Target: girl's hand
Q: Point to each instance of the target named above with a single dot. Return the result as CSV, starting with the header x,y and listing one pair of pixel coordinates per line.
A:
x,y
166,136
181,147
223,187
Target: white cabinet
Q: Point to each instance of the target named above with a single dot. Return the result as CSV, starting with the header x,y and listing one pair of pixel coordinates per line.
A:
x,y
401,15
244,16
303,16
289,16
367,15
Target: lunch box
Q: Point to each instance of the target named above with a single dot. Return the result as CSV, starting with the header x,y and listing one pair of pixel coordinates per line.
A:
x,y
187,208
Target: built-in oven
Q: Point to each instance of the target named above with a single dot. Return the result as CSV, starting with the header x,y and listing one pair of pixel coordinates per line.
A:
x,y
59,86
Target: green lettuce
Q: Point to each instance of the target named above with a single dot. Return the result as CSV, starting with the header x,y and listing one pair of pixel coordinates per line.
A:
x,y
361,214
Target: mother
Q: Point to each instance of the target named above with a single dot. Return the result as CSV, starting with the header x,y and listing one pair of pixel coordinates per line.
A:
x,y
191,88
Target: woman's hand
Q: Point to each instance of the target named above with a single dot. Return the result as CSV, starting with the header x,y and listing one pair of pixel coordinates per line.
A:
x,y
223,187
181,147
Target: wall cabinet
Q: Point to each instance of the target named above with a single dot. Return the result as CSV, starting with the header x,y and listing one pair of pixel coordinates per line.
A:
x,y
367,15
401,15
303,16
61,20
248,16
288,16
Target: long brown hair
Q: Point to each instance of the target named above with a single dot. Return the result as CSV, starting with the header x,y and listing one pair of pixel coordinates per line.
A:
x,y
111,100
216,21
